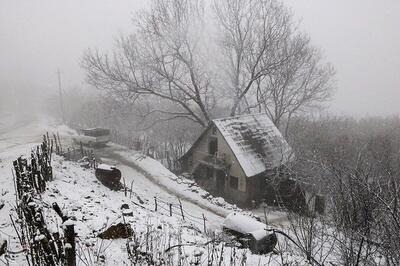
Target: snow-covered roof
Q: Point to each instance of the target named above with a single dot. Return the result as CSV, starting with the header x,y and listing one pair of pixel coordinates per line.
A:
x,y
245,225
242,224
259,234
104,166
255,141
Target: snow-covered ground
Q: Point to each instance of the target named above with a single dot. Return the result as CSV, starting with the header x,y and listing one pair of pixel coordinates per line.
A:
x,y
184,188
95,207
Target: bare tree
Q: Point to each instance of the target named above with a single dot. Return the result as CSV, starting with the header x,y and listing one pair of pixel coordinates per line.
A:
x,y
252,33
300,83
162,63
271,67
170,66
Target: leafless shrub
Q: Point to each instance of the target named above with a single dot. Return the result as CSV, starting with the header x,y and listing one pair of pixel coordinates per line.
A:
x,y
358,164
93,252
164,246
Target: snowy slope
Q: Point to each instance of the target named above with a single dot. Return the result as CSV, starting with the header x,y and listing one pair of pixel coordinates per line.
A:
x,y
95,207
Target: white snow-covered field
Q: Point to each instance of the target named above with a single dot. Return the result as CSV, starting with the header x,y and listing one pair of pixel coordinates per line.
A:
x,y
95,207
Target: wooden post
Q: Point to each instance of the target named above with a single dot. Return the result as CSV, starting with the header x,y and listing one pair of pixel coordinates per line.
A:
x,y
130,193
155,204
180,205
59,142
123,178
70,252
170,209
265,214
204,223
60,94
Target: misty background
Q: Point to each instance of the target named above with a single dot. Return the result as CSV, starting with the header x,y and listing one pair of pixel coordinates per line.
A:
x,y
163,79
360,38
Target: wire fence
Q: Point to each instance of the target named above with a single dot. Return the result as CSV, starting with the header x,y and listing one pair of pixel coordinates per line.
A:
x,y
173,209
165,207
177,209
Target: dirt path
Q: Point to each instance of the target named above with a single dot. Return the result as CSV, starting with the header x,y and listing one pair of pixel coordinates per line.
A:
x,y
112,153
109,154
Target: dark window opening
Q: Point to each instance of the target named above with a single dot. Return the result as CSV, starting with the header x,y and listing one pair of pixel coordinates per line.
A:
x,y
234,182
213,146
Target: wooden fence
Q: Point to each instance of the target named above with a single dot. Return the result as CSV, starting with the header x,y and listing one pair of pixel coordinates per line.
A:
x,y
30,178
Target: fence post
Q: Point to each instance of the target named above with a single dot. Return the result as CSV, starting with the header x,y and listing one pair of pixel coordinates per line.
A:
x,y
265,214
125,191
180,205
155,203
204,222
170,209
59,142
70,252
81,147
130,193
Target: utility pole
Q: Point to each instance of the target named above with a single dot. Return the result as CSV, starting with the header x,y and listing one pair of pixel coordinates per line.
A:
x,y
60,95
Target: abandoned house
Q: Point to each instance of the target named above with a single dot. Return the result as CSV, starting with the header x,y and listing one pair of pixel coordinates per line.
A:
x,y
234,155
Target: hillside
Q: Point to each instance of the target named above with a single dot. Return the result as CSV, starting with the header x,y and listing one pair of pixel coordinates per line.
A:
x,y
94,208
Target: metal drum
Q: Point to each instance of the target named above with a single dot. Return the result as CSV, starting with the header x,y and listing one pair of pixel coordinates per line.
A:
x,y
110,176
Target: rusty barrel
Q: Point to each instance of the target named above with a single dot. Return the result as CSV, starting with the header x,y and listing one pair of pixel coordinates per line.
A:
x,y
110,176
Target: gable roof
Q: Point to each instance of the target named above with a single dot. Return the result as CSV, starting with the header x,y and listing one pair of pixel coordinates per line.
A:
x,y
255,141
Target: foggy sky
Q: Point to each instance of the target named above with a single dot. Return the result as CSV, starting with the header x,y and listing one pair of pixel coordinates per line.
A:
x,y
360,37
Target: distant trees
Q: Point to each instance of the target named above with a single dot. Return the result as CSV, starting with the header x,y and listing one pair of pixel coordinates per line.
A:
x,y
180,62
356,164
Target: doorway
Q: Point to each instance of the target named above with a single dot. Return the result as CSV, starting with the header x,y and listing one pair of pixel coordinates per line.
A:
x,y
220,175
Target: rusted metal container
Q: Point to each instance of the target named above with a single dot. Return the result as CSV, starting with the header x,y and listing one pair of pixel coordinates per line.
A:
x,y
250,233
109,175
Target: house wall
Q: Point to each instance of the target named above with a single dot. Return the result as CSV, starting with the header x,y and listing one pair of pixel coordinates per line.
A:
x,y
235,169
223,148
257,187
201,150
235,194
